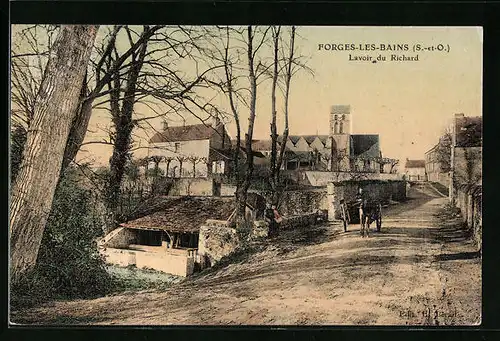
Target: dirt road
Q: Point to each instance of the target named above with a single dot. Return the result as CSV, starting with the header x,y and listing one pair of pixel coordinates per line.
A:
x,y
420,269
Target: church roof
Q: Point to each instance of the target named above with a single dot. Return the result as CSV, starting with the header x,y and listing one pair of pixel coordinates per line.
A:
x,y
365,145
340,109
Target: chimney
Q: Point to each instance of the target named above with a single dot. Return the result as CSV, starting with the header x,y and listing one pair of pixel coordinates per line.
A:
x,y
165,125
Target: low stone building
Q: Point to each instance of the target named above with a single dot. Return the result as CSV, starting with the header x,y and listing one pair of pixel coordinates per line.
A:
x,y
165,240
168,239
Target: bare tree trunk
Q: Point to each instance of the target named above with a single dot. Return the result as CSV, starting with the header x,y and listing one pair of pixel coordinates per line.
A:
x,y
180,168
242,197
122,120
236,155
288,78
84,111
168,168
274,180
78,130
55,108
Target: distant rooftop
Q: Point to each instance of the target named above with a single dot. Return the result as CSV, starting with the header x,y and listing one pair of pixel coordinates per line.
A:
x,y
185,133
415,164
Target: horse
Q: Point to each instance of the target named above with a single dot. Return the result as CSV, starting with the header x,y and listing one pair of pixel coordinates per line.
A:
x,y
369,211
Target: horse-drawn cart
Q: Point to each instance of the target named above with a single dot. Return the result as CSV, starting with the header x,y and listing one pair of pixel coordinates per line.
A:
x,y
365,214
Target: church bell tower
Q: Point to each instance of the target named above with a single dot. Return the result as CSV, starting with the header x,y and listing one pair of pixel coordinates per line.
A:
x,y
340,137
340,119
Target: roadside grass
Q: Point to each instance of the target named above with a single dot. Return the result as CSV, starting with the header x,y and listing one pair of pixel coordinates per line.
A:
x,y
131,278
441,188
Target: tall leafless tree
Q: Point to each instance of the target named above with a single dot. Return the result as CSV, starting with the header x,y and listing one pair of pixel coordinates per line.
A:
x,y
53,112
121,109
147,73
243,69
287,64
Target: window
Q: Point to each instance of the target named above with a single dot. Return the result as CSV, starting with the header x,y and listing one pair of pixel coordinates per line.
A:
x,y
177,147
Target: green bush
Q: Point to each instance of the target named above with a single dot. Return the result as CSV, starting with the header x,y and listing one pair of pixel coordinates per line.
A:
x,y
68,264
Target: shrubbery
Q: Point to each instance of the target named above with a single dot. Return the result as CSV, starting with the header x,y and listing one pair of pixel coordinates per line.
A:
x,y
68,264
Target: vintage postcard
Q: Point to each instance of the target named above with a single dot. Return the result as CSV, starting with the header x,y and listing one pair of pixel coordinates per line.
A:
x,y
246,175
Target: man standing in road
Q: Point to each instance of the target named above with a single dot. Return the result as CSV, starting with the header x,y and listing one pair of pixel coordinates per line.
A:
x,y
269,218
361,200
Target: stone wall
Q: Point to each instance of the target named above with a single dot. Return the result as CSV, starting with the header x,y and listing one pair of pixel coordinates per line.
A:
x,y
467,165
469,200
227,190
303,220
120,238
382,191
172,263
192,186
442,178
261,228
301,202
320,179
216,240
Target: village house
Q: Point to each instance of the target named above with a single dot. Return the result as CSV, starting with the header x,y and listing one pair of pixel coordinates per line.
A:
x,y
192,150
415,170
437,162
196,156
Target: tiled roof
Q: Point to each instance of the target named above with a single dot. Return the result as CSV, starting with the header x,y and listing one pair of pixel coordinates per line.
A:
x,y
262,145
216,153
415,164
324,138
294,138
309,138
340,109
185,214
365,145
185,133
